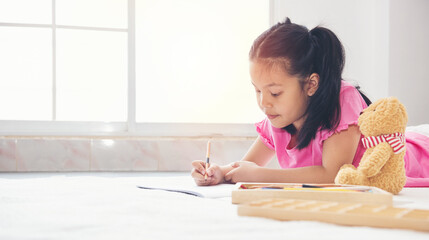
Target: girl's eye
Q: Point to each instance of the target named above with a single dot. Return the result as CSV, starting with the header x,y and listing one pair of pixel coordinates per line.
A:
x,y
275,94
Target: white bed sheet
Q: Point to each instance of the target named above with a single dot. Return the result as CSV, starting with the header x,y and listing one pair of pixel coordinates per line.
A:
x,y
110,206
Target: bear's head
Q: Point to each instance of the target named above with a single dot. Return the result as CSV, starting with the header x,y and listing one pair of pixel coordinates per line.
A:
x,y
384,116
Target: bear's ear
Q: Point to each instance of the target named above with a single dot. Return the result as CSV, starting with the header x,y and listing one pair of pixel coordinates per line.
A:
x,y
393,100
382,105
373,106
401,111
404,112
392,106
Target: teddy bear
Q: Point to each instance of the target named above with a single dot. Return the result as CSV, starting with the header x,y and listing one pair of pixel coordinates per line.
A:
x,y
383,126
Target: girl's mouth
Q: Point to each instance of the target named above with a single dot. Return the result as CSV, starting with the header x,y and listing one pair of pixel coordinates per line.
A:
x,y
272,116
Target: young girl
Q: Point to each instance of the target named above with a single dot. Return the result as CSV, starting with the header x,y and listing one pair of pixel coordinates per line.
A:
x,y
312,113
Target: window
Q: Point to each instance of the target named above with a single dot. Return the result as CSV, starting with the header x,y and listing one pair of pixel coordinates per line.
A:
x,y
26,75
192,60
136,67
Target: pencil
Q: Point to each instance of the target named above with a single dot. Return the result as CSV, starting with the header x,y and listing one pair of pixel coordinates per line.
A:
x,y
207,159
311,186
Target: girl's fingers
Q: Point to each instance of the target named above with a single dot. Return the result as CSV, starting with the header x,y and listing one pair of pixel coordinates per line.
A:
x,y
200,179
199,166
199,170
211,170
235,164
229,175
197,174
197,163
204,182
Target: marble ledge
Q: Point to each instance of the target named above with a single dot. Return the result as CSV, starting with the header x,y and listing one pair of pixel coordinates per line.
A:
x,y
114,154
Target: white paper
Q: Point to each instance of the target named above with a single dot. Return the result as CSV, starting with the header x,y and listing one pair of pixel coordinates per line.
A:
x,y
186,185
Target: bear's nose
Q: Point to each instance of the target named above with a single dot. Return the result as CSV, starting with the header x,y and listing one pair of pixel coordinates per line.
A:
x,y
360,113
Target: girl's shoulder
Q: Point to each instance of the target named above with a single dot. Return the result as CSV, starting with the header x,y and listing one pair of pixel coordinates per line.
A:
x,y
351,104
351,101
347,87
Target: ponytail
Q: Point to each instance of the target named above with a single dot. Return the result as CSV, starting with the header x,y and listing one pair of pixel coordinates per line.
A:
x,y
324,109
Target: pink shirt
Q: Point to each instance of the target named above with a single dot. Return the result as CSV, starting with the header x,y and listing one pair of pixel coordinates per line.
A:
x,y
352,104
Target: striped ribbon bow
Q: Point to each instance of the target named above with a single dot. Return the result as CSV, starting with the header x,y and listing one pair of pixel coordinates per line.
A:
x,y
396,141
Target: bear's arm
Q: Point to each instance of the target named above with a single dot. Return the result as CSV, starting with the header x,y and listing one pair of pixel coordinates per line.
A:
x,y
371,164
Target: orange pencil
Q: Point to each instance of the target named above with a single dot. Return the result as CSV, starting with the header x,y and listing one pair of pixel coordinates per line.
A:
x,y
207,159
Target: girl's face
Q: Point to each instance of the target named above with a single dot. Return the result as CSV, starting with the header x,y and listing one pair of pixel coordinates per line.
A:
x,y
280,96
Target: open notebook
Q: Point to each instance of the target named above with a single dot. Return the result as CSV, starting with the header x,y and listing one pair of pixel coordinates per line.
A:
x,y
186,185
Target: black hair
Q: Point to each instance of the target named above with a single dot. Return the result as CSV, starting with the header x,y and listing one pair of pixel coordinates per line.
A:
x,y
302,52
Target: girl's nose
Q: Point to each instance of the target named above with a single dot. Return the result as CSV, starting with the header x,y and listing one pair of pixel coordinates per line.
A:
x,y
264,102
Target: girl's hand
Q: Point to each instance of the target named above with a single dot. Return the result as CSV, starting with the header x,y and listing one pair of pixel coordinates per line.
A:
x,y
214,173
243,171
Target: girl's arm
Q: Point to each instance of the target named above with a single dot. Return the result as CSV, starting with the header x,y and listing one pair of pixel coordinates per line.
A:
x,y
259,153
339,149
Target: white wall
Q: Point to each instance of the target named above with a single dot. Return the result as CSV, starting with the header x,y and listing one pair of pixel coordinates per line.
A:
x,y
382,50
409,57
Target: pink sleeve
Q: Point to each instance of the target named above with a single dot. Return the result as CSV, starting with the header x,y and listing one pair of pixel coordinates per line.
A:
x,y
264,130
417,182
352,104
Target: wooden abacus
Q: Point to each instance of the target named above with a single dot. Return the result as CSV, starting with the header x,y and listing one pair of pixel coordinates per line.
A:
x,y
343,213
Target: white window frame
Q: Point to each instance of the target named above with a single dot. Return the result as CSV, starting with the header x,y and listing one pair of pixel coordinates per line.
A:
x,y
130,127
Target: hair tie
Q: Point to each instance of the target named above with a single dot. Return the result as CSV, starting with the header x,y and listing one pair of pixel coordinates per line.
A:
x,y
313,38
